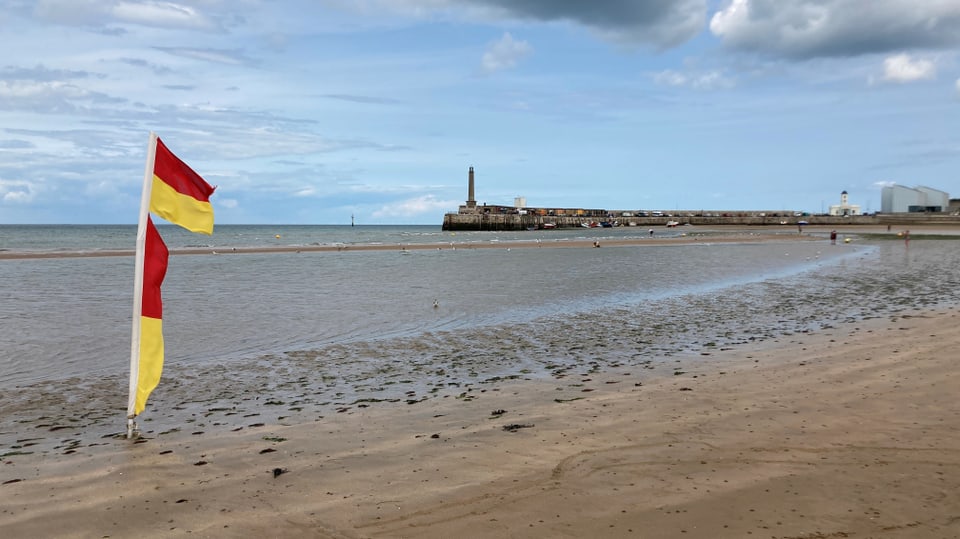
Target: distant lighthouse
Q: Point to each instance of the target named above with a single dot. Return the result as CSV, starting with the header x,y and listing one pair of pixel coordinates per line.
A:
x,y
471,200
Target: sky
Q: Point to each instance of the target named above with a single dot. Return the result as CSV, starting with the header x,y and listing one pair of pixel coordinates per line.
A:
x,y
316,111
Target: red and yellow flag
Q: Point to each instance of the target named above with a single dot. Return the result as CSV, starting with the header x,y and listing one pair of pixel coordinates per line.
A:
x,y
181,196
151,316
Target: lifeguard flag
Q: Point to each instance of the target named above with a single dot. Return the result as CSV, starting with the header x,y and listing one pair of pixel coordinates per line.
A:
x,y
179,195
151,317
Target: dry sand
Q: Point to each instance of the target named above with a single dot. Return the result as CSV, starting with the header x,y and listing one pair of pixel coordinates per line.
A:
x,y
850,432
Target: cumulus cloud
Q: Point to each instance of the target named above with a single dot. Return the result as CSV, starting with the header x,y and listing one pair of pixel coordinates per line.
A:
x,y
413,207
16,192
709,80
661,23
815,28
504,54
670,77
904,68
657,23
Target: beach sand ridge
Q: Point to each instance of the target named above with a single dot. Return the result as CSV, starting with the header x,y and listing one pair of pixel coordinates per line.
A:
x,y
852,431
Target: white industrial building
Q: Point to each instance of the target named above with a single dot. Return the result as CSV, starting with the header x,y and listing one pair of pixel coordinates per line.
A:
x,y
844,207
920,199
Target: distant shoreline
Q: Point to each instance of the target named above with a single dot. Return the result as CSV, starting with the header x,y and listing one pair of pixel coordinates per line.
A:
x,y
743,236
716,234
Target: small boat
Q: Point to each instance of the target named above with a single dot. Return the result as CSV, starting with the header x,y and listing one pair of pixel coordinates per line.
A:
x,y
549,225
672,224
606,224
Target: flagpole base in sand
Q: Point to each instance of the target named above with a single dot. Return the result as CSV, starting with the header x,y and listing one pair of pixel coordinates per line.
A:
x,y
133,431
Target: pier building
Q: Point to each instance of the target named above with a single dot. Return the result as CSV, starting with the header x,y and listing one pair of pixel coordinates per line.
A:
x,y
521,216
844,207
902,199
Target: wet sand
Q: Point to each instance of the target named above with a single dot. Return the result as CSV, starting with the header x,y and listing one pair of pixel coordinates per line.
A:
x,y
714,234
852,431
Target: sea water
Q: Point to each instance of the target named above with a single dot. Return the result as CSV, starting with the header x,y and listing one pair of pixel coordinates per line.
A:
x,y
67,317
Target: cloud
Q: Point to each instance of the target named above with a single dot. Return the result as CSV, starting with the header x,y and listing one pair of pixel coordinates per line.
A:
x,y
504,54
670,77
137,62
209,55
161,14
16,191
709,80
832,28
16,145
43,73
413,207
101,13
904,68
660,23
368,100
49,97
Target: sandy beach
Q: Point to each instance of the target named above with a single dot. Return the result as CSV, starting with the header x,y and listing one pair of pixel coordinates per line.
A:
x,y
852,431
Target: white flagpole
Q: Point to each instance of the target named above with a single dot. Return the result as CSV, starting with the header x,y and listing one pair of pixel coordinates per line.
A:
x,y
138,282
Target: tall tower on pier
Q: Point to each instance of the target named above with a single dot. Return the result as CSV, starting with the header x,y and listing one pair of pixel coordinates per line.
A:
x,y
471,200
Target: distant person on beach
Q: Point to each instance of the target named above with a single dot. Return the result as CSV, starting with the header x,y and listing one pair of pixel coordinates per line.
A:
x,y
833,237
906,237
651,232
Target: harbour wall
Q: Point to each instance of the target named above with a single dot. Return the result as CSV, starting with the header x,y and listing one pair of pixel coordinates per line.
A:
x,y
515,221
